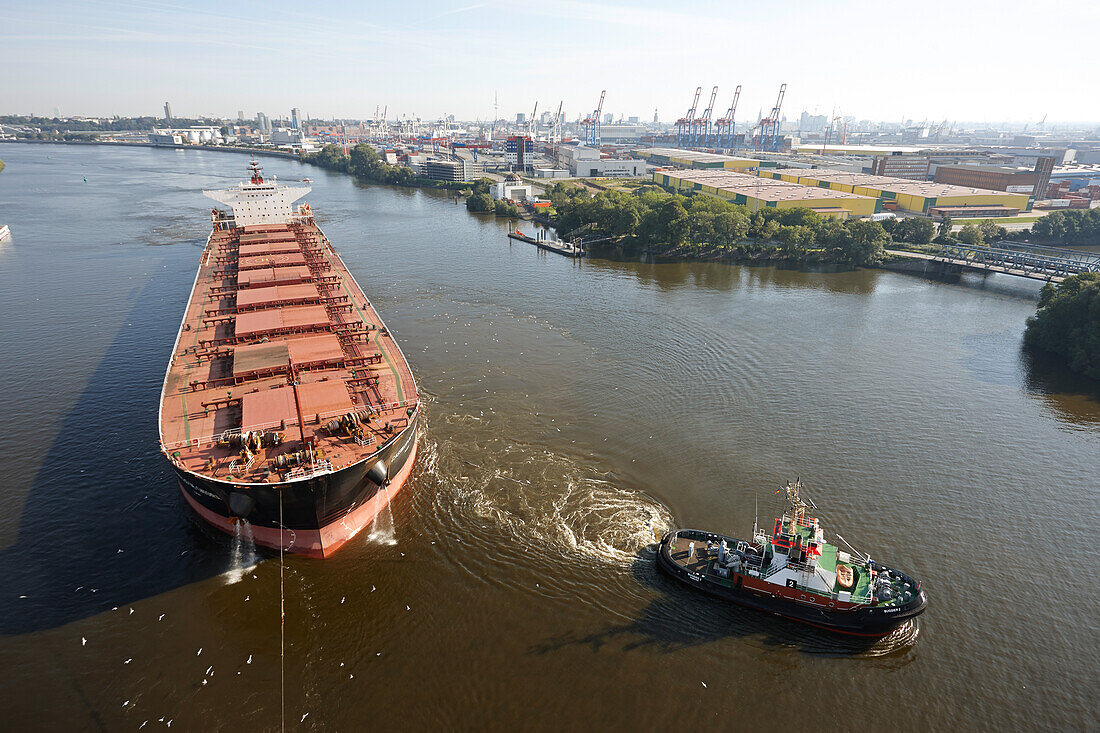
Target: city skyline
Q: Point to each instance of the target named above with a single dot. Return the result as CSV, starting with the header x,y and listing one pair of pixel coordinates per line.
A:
x,y
470,60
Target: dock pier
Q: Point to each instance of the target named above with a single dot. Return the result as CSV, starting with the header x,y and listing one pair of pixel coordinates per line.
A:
x,y
563,248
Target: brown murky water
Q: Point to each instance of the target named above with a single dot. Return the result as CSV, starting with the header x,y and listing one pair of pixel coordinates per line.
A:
x,y
574,411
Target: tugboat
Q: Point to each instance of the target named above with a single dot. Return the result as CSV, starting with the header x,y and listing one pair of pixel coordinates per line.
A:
x,y
796,573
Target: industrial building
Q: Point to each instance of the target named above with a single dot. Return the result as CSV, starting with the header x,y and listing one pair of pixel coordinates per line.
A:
x,y
451,170
919,196
512,188
586,162
999,178
695,159
757,192
899,165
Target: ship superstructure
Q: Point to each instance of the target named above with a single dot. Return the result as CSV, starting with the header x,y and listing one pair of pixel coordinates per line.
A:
x,y
286,403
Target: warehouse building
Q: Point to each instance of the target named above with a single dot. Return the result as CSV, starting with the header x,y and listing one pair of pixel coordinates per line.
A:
x,y
999,178
759,193
899,193
695,159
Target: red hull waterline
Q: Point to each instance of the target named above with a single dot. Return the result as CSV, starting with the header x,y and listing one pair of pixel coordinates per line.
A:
x,y
318,543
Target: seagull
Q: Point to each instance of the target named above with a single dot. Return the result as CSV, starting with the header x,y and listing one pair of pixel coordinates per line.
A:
x,y
249,659
128,660
198,652
161,617
83,641
303,718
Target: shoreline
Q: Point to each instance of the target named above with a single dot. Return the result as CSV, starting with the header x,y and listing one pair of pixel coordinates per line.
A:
x,y
656,256
115,144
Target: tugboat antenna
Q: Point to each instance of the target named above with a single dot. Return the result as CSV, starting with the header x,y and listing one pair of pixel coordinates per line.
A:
x,y
755,517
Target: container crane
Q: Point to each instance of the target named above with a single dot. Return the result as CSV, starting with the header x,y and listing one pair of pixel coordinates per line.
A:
x,y
531,128
684,123
555,130
768,139
724,126
591,124
700,128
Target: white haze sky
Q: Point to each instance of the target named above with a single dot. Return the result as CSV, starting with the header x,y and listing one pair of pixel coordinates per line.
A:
x,y
998,61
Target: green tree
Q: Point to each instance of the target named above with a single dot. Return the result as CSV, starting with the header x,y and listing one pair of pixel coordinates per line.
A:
x,y
915,230
504,208
971,234
480,202
991,232
944,227
1067,323
867,242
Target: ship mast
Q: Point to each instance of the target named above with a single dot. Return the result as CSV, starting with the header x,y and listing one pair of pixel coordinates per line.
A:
x,y
798,504
255,168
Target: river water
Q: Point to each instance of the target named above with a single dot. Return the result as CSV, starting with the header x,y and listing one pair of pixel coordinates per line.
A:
x,y
574,410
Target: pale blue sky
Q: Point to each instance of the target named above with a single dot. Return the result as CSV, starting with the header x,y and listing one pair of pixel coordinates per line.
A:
x,y
982,61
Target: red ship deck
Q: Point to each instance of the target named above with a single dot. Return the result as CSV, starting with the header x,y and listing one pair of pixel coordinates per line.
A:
x,y
274,304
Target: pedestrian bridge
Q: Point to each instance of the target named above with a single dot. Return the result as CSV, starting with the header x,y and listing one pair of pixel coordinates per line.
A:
x,y
1051,264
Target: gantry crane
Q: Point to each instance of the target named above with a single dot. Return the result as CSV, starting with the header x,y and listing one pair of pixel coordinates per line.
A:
x,y
700,128
532,128
768,139
684,123
724,126
591,124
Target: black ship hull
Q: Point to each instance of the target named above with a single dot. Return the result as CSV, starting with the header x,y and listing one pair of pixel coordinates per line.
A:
x,y
312,516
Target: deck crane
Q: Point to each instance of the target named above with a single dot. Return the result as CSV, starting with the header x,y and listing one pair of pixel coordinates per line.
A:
x,y
724,126
768,139
591,124
700,128
684,123
531,128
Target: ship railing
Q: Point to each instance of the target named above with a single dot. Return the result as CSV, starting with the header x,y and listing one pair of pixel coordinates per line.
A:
x,y
281,425
227,434
320,467
237,466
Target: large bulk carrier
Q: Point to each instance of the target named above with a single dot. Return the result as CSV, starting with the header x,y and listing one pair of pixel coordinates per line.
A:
x,y
286,403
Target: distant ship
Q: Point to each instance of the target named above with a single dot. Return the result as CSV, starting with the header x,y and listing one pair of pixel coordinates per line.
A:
x,y
287,404
794,572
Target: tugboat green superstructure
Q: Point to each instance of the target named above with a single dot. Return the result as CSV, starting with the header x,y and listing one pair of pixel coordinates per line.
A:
x,y
794,572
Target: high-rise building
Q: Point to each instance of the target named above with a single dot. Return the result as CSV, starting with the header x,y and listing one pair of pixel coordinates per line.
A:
x,y
263,123
519,151
607,118
521,118
294,121
240,115
167,112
